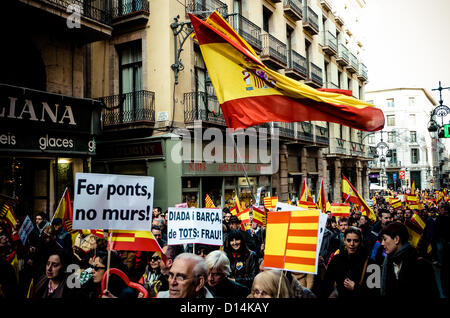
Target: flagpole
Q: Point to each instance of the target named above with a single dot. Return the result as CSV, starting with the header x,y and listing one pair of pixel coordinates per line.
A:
x,y
109,260
58,205
279,283
243,168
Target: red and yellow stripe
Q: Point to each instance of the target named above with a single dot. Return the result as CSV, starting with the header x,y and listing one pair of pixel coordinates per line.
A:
x,y
235,72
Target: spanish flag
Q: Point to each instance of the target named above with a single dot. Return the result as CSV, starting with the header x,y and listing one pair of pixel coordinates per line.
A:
x,y
209,202
259,216
134,241
305,195
395,203
413,188
321,202
415,226
250,93
7,213
340,209
291,240
307,205
356,199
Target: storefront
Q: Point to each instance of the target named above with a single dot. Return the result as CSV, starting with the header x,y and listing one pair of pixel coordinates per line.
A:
x,y
45,139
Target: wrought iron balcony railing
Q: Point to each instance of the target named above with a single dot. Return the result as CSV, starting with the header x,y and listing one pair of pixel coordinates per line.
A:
x,y
353,66
330,43
305,131
205,7
247,29
316,73
273,48
129,108
95,10
310,19
322,135
201,106
342,57
293,8
298,63
286,129
362,72
129,7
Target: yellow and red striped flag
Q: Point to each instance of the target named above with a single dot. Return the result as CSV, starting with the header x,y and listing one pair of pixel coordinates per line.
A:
x,y
340,209
321,202
356,199
395,203
307,205
209,202
270,202
250,93
415,226
7,213
305,195
64,211
134,241
413,187
291,240
259,216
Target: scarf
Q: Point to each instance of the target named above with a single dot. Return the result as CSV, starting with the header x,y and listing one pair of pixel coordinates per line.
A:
x,y
388,263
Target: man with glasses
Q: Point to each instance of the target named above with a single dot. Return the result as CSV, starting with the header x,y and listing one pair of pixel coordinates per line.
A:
x,y
187,278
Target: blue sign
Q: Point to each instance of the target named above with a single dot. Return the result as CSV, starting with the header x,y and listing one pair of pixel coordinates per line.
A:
x,y
395,176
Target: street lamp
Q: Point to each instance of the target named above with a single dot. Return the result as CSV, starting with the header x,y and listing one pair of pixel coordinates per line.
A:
x,y
440,111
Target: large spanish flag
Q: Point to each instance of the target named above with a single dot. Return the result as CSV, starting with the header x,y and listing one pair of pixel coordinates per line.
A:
x,y
291,240
356,199
340,209
259,216
305,195
250,93
321,202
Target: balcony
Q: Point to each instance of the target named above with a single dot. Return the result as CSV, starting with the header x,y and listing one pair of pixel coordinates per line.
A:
x,y
286,130
315,76
342,57
357,149
326,5
330,44
95,17
204,107
305,132
362,72
353,65
321,134
310,20
249,31
203,8
135,108
339,147
338,19
297,66
273,52
293,9
131,12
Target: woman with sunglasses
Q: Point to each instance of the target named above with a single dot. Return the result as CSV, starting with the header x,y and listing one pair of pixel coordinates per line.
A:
x,y
347,269
153,279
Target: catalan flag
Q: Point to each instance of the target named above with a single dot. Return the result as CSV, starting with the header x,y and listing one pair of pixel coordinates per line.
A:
x,y
134,241
7,213
270,202
209,202
250,93
259,216
291,240
321,202
340,209
305,195
356,199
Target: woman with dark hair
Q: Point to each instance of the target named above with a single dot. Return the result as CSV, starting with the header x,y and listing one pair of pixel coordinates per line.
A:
x,y
53,284
243,262
116,286
347,269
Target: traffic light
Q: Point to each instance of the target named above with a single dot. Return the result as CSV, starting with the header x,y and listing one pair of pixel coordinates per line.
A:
x,y
447,131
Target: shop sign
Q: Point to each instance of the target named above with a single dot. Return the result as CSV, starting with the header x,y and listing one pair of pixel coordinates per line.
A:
x,y
224,169
145,149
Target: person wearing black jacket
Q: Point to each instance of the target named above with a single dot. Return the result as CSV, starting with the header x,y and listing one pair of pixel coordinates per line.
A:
x,y
244,263
347,269
404,273
218,282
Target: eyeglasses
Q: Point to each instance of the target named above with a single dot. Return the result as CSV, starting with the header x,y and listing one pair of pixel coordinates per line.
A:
x,y
97,268
178,277
258,292
155,258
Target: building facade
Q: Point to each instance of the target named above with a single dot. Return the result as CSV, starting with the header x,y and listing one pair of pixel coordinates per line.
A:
x,y
409,145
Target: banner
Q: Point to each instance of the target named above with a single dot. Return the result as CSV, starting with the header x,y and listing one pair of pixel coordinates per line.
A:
x,y
287,207
115,202
192,225
258,196
25,230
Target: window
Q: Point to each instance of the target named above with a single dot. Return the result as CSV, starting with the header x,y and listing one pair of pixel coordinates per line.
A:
x,y
237,6
412,119
413,135
393,160
411,101
390,120
391,136
266,17
390,102
414,155
371,139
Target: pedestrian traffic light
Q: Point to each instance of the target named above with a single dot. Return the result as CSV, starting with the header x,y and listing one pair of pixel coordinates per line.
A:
x,y
447,131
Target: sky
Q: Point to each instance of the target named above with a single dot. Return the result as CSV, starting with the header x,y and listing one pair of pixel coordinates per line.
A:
x,y
407,44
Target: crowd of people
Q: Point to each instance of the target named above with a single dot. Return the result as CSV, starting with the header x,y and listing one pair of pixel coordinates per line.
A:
x,y
359,257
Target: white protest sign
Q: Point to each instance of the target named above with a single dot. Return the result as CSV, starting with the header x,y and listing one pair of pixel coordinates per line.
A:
x,y
258,196
322,223
192,225
25,230
287,207
114,202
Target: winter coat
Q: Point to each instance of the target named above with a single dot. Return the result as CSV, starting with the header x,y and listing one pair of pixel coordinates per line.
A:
x,y
62,291
229,289
415,278
244,267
